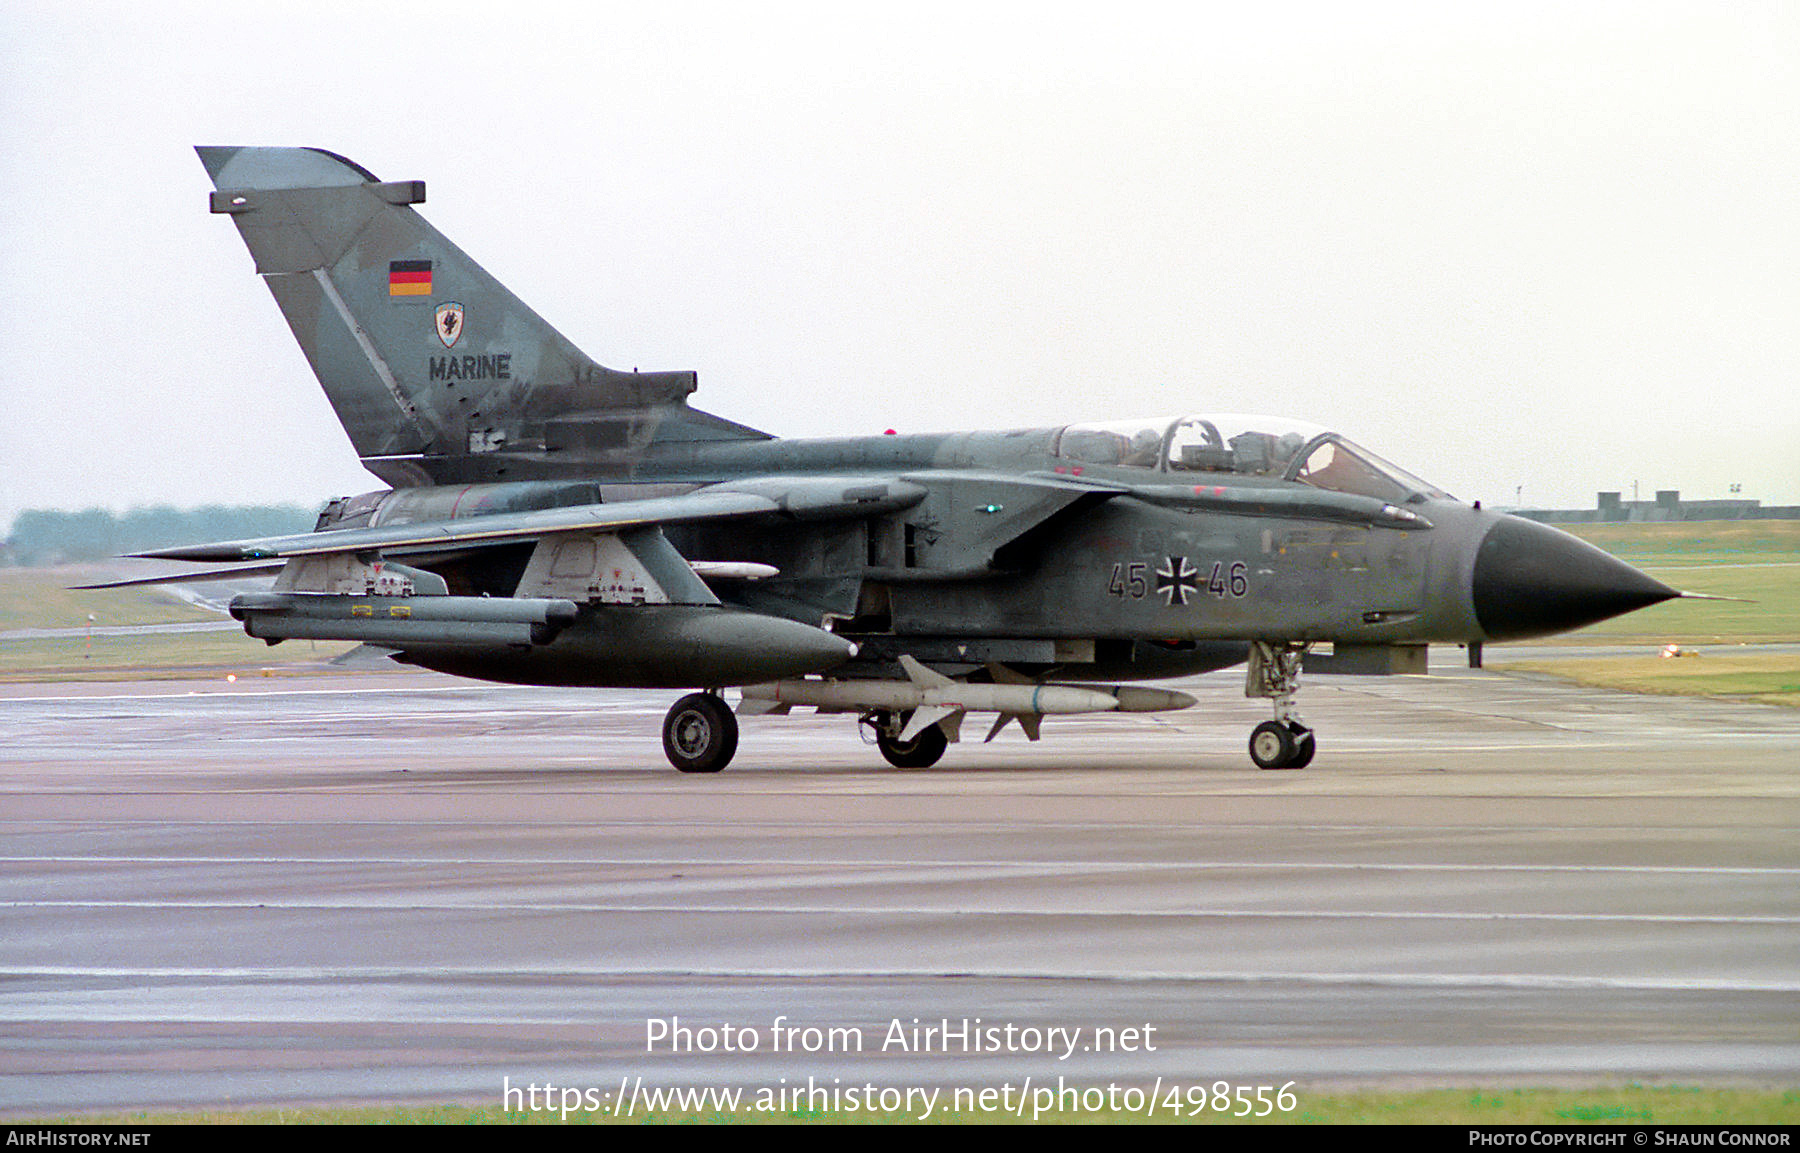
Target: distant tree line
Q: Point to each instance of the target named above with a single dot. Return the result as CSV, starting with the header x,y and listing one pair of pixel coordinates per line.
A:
x,y
49,536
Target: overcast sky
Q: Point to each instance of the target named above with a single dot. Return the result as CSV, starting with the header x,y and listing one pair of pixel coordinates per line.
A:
x,y
1516,248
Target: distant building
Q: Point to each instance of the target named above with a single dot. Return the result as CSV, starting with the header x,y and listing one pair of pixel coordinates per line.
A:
x,y
1668,506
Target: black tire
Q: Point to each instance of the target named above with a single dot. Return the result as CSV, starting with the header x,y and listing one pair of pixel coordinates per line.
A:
x,y
1304,746
1272,746
700,734
921,752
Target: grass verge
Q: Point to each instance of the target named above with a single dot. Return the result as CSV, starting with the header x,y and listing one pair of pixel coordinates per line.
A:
x,y
41,599
1696,542
161,656
1771,678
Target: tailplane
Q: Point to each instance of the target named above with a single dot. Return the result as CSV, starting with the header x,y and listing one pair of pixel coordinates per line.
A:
x,y
436,370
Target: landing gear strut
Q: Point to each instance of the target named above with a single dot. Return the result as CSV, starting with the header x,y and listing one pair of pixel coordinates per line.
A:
x,y
922,752
700,734
1274,672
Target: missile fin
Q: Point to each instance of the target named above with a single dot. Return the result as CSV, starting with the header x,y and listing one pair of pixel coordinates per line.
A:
x,y
924,718
922,676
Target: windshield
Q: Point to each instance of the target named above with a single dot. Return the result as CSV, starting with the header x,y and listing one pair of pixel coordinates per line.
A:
x,y
1336,464
1246,446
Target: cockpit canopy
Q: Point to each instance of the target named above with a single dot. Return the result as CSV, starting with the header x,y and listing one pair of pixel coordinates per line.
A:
x,y
1246,446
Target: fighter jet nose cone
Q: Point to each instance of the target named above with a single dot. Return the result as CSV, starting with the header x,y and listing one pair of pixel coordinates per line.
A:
x,y
1531,580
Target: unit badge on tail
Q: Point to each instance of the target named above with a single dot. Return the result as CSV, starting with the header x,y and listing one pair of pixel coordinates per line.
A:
x,y
449,323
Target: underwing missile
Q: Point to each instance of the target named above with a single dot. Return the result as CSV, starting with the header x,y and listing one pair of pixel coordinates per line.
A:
x,y
931,697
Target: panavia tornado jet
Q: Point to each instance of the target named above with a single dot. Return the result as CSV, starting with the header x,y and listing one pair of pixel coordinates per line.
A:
x,y
552,521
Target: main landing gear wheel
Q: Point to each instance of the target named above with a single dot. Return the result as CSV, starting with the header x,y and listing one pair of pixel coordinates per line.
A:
x,y
700,734
1278,745
922,752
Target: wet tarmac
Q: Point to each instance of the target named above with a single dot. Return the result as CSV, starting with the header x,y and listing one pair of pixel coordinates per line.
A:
x,y
400,886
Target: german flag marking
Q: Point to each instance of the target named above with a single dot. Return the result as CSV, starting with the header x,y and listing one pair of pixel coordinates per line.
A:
x,y
409,278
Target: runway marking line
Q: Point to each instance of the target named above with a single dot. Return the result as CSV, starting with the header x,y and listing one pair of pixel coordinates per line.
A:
x,y
1032,867
918,911
464,973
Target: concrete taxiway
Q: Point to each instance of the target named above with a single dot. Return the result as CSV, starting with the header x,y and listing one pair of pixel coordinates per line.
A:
x,y
386,886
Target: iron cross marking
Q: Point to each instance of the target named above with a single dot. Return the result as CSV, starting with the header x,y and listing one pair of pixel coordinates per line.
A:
x,y
1176,581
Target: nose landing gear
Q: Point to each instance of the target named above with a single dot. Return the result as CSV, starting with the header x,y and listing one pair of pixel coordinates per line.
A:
x,y
1274,672
1279,745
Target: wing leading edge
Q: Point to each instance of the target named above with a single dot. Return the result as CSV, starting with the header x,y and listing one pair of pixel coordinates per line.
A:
x,y
811,498
478,530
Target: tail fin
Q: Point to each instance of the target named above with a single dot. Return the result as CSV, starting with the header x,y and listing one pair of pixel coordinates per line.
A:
x,y
435,369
